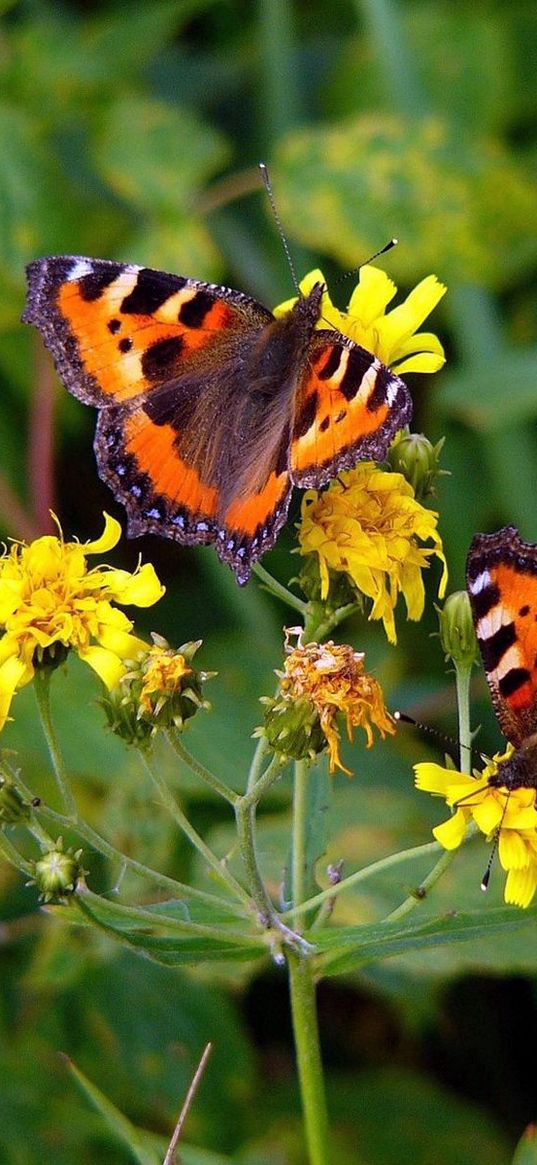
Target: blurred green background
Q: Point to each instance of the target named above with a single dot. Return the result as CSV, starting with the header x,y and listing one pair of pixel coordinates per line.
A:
x,y
134,132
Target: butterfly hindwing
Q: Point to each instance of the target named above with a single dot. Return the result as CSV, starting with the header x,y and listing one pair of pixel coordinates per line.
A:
x,y
349,407
502,584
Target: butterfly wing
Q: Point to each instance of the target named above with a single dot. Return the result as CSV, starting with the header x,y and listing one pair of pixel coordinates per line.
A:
x,y
349,407
502,585
160,355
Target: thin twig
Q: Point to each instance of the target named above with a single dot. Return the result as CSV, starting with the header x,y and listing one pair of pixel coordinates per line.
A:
x,y
170,1157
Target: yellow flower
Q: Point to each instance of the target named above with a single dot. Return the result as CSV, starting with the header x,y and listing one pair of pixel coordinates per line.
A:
x,y
392,335
511,811
50,602
369,525
318,682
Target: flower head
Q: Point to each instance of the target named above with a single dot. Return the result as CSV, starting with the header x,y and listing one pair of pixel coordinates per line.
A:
x,y
369,525
161,689
58,873
50,602
320,681
512,812
392,335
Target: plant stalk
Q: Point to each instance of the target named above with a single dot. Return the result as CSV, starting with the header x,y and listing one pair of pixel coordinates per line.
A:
x,y
308,1056
42,694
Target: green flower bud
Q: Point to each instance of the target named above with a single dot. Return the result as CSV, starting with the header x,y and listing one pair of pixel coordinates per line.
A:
x,y
457,634
413,455
161,690
292,729
341,590
13,807
57,873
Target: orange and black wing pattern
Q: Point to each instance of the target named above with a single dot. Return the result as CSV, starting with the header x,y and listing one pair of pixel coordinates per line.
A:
x,y
159,355
502,585
210,408
349,407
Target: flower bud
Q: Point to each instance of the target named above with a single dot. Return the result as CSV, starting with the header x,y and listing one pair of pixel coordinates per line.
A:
x,y
292,729
57,873
413,455
13,808
161,690
457,634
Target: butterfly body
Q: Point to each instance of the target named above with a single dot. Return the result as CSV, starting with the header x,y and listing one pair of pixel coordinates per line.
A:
x,y
210,408
502,585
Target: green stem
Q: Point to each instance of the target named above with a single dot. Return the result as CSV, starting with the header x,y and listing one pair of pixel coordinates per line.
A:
x,y
272,773
427,883
317,628
162,880
200,771
462,679
193,836
361,876
276,588
308,1056
42,694
260,753
413,899
14,857
299,835
245,815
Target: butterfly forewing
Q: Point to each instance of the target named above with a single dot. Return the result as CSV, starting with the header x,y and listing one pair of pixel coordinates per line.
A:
x,y
502,584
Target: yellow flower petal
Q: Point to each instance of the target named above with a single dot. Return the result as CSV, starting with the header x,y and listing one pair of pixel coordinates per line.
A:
x,y
515,818
512,850
433,778
421,362
368,525
140,589
487,814
13,674
451,833
370,298
49,596
520,886
109,537
108,666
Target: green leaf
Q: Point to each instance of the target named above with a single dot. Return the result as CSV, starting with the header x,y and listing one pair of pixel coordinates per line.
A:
x,y
461,207
353,947
170,938
526,1150
124,1131
405,1117
137,149
178,242
478,396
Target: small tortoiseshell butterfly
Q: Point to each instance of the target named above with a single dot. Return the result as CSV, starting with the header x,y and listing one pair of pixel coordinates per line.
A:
x,y
502,584
211,409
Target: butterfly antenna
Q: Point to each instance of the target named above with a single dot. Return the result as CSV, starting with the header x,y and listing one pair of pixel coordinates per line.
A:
x,y
486,876
278,221
356,270
403,718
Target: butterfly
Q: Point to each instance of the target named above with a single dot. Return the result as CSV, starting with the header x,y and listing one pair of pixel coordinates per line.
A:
x,y
502,585
210,408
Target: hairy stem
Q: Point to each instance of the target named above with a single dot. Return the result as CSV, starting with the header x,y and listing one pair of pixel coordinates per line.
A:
x,y
308,1056
193,836
200,771
42,693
